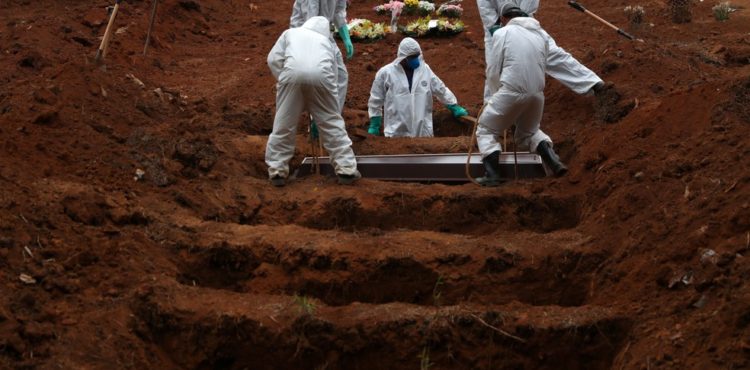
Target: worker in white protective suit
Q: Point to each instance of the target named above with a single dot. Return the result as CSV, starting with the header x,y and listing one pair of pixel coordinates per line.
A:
x,y
303,61
515,77
560,64
405,88
335,12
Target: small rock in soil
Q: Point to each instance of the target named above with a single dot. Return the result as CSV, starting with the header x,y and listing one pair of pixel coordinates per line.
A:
x,y
26,279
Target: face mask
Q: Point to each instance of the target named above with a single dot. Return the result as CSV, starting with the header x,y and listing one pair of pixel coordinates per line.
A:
x,y
413,63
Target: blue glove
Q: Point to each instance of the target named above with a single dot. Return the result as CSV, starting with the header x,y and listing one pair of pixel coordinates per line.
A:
x,y
313,130
375,123
457,110
344,33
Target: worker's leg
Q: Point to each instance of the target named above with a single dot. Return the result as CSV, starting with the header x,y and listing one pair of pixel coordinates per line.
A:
x,y
323,107
281,142
501,112
570,72
528,133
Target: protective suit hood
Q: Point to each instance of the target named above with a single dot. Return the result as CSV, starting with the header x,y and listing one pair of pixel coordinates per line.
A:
x,y
408,46
528,23
318,24
528,6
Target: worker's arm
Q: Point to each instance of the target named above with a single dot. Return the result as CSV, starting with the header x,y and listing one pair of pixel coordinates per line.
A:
x,y
488,13
339,21
529,6
339,17
377,94
440,91
298,15
375,104
445,96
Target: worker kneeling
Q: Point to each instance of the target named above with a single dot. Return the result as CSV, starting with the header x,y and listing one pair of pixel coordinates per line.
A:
x,y
303,63
405,89
515,75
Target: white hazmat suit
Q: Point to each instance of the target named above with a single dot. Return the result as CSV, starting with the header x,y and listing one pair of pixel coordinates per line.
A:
x,y
560,64
407,113
515,77
335,12
303,60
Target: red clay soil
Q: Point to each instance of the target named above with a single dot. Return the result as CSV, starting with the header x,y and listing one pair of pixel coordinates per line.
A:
x,y
638,259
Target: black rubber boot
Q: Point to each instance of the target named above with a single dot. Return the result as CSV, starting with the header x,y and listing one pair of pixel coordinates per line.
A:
x,y
349,179
550,158
278,181
491,170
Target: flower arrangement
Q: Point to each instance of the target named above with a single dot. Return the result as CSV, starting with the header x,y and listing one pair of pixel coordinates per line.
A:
x,y
425,8
366,30
389,8
450,10
433,27
446,27
418,28
422,8
407,6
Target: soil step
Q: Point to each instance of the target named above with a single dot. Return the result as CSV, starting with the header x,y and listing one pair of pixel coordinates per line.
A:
x,y
401,266
370,204
199,328
457,212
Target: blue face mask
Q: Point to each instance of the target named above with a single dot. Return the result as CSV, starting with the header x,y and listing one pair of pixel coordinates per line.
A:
x,y
413,63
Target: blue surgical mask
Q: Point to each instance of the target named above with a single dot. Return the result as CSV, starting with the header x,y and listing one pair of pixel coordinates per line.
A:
x,y
413,63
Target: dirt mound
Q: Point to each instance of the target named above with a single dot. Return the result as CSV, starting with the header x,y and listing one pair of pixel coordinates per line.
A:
x,y
138,230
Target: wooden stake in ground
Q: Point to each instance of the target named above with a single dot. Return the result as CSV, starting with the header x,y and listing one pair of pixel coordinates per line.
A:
x,y
150,26
102,52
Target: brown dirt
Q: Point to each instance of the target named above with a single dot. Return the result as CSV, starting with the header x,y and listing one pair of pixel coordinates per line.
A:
x,y
636,260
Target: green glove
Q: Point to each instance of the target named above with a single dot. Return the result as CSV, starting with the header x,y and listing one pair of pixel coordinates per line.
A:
x,y
375,123
457,110
344,33
313,130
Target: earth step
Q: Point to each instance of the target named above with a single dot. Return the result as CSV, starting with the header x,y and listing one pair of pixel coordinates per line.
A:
x,y
314,204
206,328
401,266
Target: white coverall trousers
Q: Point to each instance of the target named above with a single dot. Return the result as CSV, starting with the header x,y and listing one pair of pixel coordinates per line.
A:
x,y
560,65
506,108
319,100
